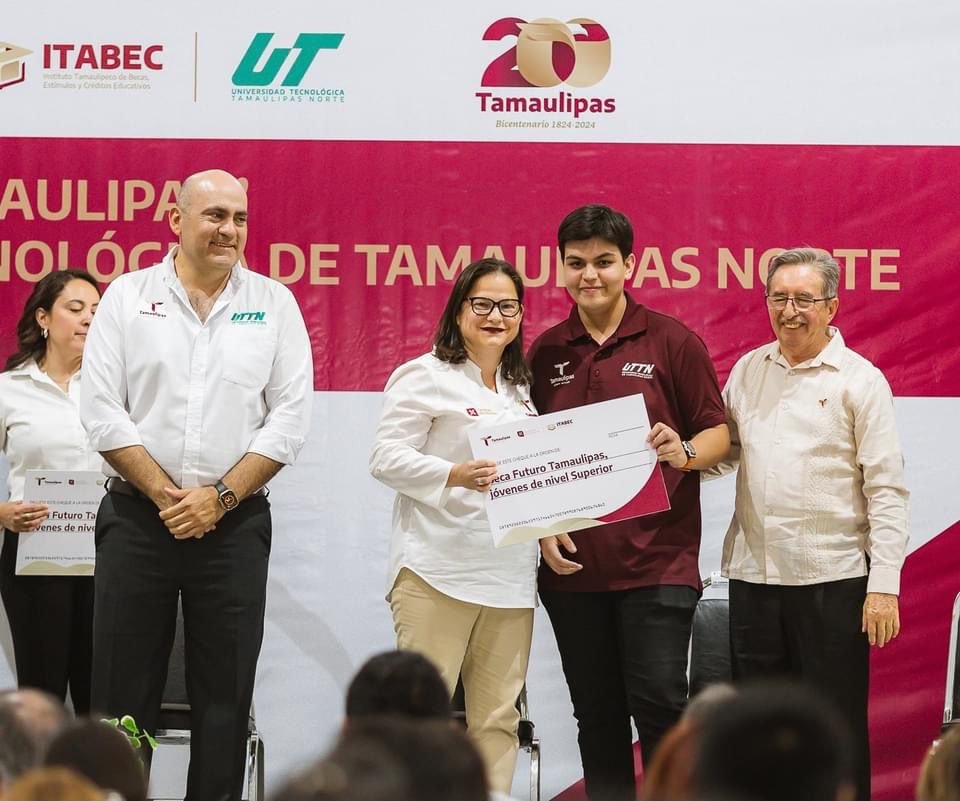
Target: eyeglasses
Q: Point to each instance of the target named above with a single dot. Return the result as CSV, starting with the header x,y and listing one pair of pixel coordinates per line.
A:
x,y
801,303
508,307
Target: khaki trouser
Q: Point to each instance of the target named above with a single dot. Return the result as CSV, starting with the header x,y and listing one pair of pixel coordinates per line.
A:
x,y
487,646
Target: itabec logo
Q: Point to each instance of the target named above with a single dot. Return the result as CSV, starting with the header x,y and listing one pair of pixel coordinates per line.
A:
x,y
101,66
547,54
271,74
13,68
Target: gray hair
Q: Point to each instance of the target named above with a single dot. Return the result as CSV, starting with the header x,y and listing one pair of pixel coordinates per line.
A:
x,y
29,721
826,265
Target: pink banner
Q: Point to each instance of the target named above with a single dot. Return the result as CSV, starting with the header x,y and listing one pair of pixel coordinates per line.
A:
x,y
908,677
370,234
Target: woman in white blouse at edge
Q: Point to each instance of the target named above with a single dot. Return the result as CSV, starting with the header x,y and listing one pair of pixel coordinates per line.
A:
x,y
455,598
51,617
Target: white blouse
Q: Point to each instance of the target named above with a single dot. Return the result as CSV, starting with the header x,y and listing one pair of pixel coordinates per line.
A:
x,y
40,426
441,533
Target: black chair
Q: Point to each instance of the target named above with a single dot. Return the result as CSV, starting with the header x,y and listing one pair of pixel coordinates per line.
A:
x,y
951,697
526,734
710,660
173,727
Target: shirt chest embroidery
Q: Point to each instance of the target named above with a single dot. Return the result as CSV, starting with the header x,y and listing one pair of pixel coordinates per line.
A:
x,y
154,310
562,378
638,370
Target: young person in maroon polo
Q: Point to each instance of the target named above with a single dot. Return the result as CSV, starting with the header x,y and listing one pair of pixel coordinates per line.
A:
x,y
621,597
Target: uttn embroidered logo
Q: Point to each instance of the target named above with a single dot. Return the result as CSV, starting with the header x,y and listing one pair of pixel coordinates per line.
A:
x,y
638,370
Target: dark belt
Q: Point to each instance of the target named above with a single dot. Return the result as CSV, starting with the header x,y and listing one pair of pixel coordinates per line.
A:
x,y
121,487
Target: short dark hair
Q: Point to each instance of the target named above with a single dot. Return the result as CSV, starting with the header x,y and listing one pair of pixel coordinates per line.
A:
x,y
398,683
596,222
448,343
776,740
30,341
103,754
357,769
441,761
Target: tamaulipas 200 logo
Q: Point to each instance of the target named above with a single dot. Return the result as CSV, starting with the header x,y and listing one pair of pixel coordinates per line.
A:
x,y
546,53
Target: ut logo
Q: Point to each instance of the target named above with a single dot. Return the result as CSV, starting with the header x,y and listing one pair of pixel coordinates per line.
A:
x,y
153,306
309,44
486,440
561,366
548,52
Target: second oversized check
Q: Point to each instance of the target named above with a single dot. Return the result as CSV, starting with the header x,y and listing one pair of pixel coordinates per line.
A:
x,y
571,470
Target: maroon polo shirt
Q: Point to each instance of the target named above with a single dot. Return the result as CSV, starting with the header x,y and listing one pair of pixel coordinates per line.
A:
x,y
668,363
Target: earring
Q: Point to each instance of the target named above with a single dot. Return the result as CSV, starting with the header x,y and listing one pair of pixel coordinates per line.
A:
x,y
44,333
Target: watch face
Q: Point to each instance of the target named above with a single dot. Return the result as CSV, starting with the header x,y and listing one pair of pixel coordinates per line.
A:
x,y
228,500
689,449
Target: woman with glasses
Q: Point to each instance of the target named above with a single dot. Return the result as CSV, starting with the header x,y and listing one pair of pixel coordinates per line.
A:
x,y
455,598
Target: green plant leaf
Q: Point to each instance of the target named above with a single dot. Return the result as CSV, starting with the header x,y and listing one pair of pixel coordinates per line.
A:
x,y
110,721
129,724
134,741
153,743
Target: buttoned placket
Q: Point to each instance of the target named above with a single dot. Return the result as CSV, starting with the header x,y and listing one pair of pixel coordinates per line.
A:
x,y
595,382
78,436
201,333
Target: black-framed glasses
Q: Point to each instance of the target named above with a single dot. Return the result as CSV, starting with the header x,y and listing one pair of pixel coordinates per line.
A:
x,y
801,303
508,307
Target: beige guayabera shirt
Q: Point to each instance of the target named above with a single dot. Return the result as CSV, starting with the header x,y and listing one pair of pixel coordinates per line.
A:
x,y
820,481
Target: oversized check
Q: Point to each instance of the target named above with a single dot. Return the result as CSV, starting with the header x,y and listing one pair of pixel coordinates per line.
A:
x,y
63,546
571,470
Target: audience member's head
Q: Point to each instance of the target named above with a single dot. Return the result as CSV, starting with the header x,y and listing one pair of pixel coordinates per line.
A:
x,y
441,762
669,776
398,683
940,772
103,754
53,784
358,769
708,699
29,720
774,741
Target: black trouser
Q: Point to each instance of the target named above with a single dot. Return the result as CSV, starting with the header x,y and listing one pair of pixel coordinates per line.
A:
x,y
51,623
141,570
624,655
811,632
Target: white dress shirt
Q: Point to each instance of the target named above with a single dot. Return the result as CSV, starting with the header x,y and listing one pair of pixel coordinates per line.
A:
x,y
197,395
441,533
40,426
820,479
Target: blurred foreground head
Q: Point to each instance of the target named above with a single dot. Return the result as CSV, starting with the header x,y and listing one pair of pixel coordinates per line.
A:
x,y
398,683
394,759
29,721
940,773
774,741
